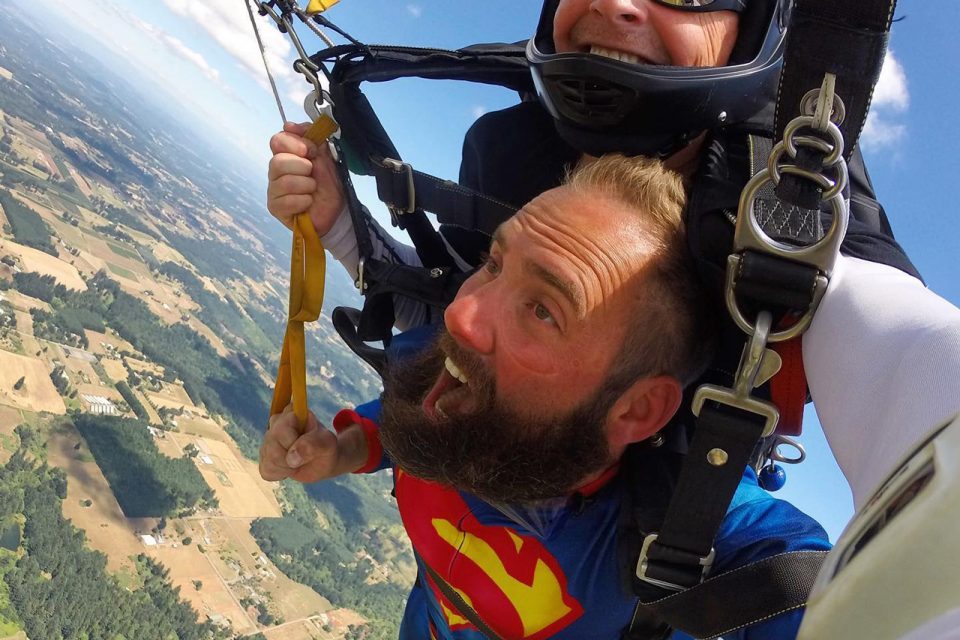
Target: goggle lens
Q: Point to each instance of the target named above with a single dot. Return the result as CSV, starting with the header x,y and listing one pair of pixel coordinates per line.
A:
x,y
705,5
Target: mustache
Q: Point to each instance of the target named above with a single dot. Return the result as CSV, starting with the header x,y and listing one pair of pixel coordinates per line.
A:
x,y
480,378
411,379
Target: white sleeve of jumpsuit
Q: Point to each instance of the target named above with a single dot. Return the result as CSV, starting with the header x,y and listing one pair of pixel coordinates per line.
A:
x,y
882,359
341,242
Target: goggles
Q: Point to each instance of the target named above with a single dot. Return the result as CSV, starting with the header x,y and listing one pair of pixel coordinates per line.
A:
x,y
705,5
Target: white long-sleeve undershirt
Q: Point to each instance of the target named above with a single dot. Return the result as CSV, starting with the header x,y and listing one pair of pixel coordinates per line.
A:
x,y
341,242
882,359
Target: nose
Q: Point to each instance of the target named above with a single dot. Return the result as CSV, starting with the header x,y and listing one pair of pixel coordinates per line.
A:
x,y
469,319
621,12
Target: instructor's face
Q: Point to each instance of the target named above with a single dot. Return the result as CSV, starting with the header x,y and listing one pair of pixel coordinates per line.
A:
x,y
645,32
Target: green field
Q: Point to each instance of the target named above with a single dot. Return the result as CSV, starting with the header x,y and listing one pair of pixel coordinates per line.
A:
x,y
120,271
123,251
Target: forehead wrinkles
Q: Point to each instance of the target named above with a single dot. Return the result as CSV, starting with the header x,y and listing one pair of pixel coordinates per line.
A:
x,y
599,255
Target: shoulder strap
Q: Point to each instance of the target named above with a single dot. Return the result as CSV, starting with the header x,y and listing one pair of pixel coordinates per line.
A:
x,y
828,42
847,40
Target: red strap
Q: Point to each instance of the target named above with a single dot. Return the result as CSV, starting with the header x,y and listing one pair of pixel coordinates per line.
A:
x,y
788,389
348,417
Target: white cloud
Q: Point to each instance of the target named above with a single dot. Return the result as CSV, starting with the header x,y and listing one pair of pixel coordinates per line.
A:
x,y
891,98
169,42
477,110
415,10
229,26
891,90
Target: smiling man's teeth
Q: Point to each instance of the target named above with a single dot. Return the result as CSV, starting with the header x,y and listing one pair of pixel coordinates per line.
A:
x,y
455,371
616,55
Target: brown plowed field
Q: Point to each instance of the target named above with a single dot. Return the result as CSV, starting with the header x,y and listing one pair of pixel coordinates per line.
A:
x,y
37,394
106,527
45,264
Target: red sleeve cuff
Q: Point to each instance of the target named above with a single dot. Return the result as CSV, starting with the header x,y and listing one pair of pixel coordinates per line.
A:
x,y
348,417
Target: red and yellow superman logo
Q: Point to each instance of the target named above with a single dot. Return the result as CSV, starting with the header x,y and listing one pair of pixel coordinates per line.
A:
x,y
512,581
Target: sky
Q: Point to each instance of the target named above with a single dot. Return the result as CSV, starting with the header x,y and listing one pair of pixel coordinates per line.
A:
x,y
201,61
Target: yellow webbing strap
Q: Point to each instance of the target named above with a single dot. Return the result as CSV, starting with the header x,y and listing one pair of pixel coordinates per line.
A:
x,y
307,269
319,6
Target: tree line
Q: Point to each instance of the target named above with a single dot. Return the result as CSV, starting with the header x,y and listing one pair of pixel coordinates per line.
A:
x,y
28,227
56,589
145,482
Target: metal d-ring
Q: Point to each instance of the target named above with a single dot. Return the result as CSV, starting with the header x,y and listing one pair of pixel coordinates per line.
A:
x,y
807,122
749,235
776,456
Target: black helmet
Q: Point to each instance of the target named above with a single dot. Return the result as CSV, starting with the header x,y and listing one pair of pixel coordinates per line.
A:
x,y
602,105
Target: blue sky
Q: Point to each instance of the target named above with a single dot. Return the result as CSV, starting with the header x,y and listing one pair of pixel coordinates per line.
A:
x,y
201,60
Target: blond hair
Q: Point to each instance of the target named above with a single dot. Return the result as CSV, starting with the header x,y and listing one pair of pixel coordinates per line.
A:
x,y
672,331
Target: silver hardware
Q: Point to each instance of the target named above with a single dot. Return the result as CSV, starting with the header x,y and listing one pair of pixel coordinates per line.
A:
x,y
769,367
751,361
643,565
359,283
722,117
811,102
436,272
779,441
717,457
749,235
398,166
303,64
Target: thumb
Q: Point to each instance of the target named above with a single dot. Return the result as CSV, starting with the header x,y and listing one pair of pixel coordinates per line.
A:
x,y
298,128
314,454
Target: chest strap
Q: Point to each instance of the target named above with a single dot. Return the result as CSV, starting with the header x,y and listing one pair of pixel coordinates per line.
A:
x,y
730,601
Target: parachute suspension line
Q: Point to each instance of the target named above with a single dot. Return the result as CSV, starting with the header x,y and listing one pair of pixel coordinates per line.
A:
x,y
266,65
307,257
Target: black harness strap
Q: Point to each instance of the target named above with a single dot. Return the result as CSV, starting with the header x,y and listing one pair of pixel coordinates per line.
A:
x,y
404,190
680,554
737,598
847,39
459,603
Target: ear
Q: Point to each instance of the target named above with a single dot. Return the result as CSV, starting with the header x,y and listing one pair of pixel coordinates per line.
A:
x,y
642,410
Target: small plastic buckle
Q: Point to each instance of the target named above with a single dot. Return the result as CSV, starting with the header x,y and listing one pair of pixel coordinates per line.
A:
x,y
403,167
643,565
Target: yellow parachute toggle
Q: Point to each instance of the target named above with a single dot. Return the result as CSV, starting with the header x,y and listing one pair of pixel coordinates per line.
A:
x,y
319,6
307,269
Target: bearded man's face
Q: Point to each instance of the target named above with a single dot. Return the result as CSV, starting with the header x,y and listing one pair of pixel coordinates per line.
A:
x,y
475,443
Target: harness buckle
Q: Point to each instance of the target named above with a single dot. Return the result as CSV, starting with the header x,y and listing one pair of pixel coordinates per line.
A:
x,y
751,372
405,168
683,561
359,282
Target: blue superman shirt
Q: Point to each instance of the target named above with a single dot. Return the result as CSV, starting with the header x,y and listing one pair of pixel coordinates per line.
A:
x,y
561,580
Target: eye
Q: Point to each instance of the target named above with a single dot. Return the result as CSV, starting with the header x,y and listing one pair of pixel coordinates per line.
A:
x,y
490,265
542,313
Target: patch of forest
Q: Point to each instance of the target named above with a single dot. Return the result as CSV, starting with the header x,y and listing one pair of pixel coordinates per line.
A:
x,y
54,588
260,339
207,377
28,227
331,559
145,482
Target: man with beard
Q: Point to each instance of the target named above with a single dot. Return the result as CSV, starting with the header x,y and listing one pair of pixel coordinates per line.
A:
x,y
572,343
876,315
